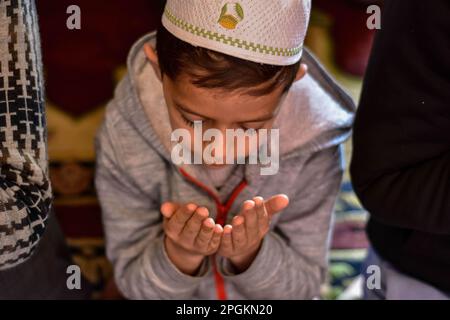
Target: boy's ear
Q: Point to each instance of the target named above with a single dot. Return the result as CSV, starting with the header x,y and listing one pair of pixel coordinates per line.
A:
x,y
301,72
153,59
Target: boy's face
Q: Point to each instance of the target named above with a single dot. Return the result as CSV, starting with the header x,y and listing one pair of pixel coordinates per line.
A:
x,y
218,109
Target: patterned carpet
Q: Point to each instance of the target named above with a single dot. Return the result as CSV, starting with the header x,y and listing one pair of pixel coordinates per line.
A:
x,y
349,244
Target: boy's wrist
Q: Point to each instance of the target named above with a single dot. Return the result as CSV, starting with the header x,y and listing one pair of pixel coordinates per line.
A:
x,y
185,261
242,262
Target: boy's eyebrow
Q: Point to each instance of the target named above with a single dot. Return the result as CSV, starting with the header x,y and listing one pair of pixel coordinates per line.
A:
x,y
264,118
183,108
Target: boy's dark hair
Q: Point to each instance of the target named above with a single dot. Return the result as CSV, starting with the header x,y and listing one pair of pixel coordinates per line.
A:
x,y
215,70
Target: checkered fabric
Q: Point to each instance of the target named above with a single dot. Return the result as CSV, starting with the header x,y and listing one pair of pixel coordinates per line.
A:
x,y
25,191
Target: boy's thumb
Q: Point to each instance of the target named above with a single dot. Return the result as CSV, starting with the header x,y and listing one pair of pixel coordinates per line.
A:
x,y
276,203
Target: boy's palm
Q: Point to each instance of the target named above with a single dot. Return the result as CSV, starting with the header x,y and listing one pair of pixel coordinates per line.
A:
x,y
241,240
191,228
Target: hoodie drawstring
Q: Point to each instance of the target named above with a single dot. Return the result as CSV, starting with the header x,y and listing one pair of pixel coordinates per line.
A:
x,y
222,212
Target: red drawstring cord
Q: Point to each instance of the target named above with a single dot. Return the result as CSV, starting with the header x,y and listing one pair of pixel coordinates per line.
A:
x,y
222,212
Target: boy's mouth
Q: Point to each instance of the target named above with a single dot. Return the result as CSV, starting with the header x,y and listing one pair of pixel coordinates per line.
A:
x,y
216,165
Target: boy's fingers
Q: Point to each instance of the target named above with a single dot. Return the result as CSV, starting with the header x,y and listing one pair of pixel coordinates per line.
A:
x,y
239,235
276,203
226,245
215,240
247,205
168,209
193,225
181,216
205,235
261,212
251,218
251,221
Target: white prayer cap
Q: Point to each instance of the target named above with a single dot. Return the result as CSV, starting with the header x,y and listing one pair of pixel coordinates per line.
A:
x,y
264,31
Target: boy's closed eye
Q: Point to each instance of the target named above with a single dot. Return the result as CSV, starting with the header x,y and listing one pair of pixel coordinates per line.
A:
x,y
190,118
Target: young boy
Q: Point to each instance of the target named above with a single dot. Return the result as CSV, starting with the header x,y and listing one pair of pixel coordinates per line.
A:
x,y
211,230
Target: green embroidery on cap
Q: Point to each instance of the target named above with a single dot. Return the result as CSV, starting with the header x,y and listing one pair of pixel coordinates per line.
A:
x,y
250,46
239,11
230,15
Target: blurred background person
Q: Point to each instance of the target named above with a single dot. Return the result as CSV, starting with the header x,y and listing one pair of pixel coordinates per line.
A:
x,y
401,151
33,254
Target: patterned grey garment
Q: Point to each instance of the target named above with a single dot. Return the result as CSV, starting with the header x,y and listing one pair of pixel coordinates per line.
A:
x,y
25,191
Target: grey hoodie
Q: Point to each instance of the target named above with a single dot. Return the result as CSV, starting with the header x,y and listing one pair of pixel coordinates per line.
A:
x,y
135,176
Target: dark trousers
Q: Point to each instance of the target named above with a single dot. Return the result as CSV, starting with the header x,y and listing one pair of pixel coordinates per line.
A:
x,y
43,275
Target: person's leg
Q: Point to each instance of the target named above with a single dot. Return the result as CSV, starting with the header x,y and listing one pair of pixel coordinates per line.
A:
x,y
44,274
396,285
403,287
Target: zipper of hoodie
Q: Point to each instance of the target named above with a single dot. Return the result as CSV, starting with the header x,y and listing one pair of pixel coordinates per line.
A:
x,y
222,213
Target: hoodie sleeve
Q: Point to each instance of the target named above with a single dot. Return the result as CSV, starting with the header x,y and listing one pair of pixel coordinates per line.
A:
x,y
25,191
133,229
292,260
